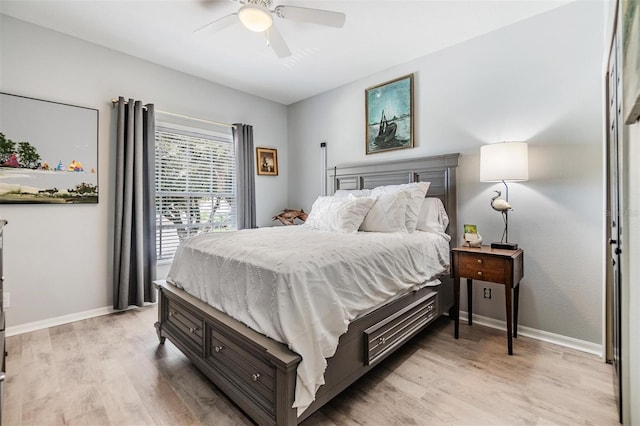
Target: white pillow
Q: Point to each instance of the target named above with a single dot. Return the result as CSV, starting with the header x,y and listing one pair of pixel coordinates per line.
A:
x,y
339,214
387,214
433,217
416,192
343,193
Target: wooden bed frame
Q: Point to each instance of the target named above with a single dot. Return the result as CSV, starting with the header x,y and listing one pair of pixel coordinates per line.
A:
x,y
259,374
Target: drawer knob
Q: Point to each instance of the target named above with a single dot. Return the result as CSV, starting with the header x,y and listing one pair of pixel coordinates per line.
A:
x,y
172,313
255,377
218,348
479,261
479,273
193,329
382,340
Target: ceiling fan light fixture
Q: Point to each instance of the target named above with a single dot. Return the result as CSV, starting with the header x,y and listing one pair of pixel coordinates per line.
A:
x,y
255,18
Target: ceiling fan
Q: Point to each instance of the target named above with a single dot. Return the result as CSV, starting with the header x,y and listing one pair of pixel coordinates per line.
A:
x,y
257,16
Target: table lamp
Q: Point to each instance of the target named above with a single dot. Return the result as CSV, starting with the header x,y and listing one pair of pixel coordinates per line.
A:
x,y
504,162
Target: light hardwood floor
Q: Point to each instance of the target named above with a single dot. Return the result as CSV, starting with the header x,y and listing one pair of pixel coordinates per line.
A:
x,y
111,370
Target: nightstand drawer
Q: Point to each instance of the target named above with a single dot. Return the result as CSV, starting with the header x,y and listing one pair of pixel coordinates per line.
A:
x,y
481,267
482,274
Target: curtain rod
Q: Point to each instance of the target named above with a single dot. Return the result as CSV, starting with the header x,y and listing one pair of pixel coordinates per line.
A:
x,y
219,123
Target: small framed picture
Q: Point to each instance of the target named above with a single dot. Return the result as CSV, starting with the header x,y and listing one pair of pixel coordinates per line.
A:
x,y
471,238
470,229
267,161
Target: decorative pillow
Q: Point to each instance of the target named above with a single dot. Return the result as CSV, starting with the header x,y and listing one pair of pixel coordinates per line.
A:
x,y
416,192
433,217
387,214
339,214
343,193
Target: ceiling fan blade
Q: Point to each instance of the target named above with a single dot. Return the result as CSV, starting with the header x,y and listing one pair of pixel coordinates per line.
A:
x,y
218,24
314,16
276,42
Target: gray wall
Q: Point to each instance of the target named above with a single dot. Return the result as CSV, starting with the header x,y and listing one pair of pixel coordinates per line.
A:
x,y
538,81
58,258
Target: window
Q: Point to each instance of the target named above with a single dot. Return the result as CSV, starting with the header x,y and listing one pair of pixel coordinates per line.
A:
x,y
195,185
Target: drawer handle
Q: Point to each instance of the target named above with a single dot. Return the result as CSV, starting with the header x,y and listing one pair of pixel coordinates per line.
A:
x,y
429,308
382,340
218,348
172,313
479,261
479,273
255,377
193,329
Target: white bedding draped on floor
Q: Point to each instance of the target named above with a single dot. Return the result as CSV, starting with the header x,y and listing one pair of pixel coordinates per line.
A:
x,y
302,287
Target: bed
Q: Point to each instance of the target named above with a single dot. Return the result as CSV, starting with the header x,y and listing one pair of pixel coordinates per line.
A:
x,y
259,373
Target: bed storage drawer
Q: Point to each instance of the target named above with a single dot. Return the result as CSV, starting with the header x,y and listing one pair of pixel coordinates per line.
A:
x,y
257,373
393,331
253,375
187,322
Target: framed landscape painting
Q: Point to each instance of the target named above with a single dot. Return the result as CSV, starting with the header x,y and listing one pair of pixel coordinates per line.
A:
x,y
389,115
48,152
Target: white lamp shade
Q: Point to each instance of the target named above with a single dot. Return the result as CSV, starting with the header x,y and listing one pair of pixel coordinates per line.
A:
x,y
255,18
508,161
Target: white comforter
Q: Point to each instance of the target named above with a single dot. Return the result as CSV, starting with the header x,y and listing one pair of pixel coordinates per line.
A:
x,y
302,287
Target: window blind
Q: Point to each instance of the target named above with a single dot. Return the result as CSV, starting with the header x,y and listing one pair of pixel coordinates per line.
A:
x,y
195,185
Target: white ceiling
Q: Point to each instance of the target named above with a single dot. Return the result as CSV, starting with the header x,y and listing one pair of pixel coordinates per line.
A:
x,y
377,35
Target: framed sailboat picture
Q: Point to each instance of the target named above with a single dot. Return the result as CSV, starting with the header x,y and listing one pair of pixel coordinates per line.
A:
x,y
389,115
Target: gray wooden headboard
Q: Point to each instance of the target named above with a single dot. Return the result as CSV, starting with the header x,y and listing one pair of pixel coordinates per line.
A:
x,y
439,170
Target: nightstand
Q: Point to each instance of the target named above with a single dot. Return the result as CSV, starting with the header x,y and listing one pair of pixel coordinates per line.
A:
x,y
498,266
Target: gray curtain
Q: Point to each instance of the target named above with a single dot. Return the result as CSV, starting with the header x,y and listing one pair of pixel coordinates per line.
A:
x,y
245,175
134,251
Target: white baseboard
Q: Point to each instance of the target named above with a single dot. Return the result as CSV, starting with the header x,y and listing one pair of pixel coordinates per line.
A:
x,y
545,336
52,322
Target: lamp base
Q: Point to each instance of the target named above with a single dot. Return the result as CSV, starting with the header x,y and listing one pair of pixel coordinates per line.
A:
x,y
505,246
